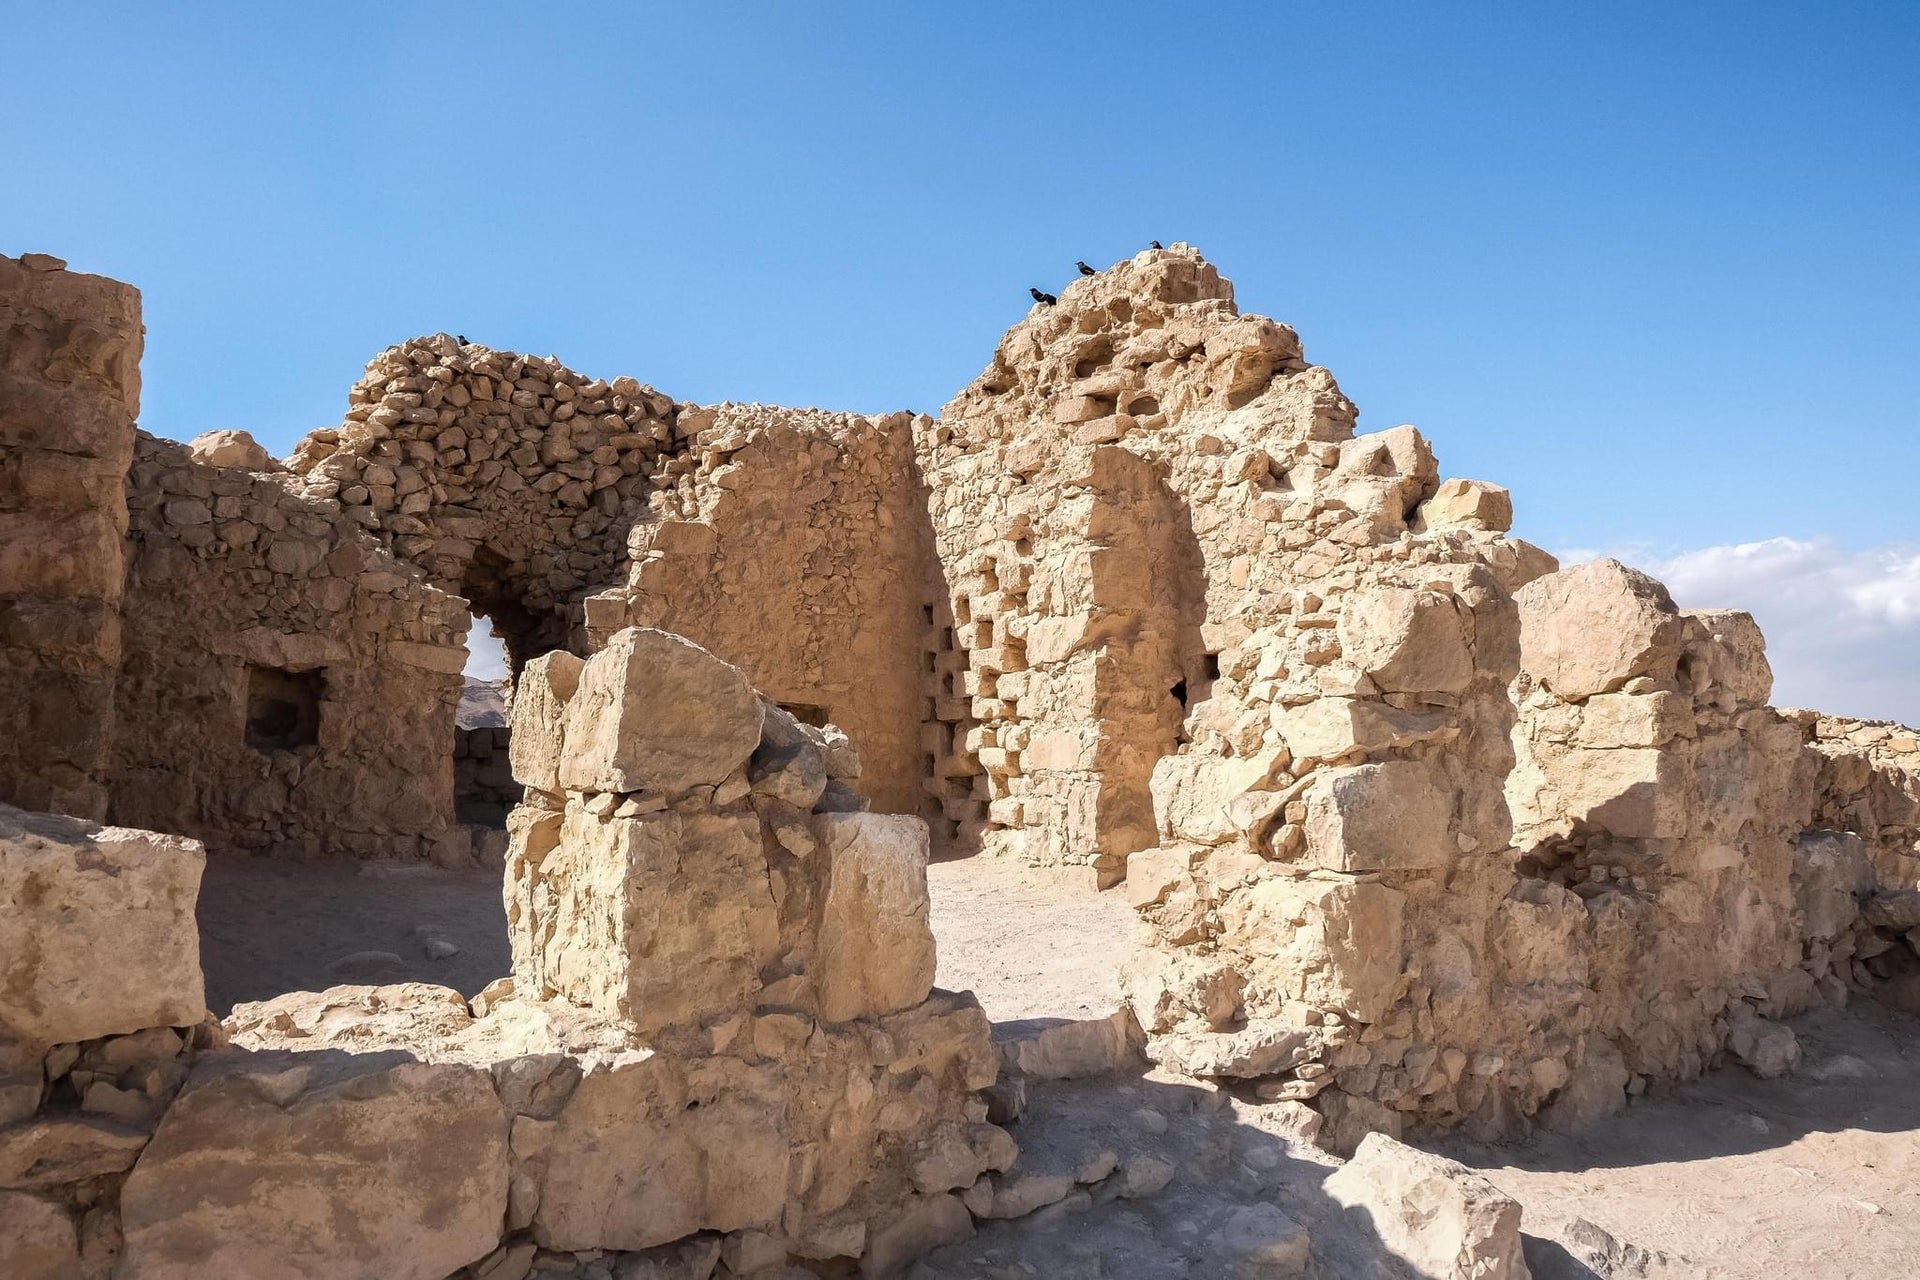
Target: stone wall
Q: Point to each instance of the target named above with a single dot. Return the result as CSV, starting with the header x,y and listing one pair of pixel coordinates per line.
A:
x,y
511,479
69,392
797,546
288,686
721,1042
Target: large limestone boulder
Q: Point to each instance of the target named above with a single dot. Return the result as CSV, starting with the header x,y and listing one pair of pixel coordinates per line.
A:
x,y
656,712
1592,628
649,1149
1468,504
1407,640
876,942
538,740
1391,815
1331,943
279,1166
1448,1222
37,1239
97,930
230,449
659,919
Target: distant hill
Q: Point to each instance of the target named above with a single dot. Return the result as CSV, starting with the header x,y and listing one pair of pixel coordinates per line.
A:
x,y
483,704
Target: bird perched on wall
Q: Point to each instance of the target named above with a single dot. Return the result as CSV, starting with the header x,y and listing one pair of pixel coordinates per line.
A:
x,y
1044,299
460,338
1155,244
1085,270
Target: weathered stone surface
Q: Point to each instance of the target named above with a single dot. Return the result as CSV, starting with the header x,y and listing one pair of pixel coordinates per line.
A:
x,y
1437,1215
37,1240
876,942
294,1165
661,918
648,1150
1832,876
1767,1049
1472,503
656,712
230,449
1592,628
98,935
49,1150
1406,640
1394,815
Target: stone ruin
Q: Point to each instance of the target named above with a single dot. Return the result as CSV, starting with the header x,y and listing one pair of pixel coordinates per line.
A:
x,y
1425,830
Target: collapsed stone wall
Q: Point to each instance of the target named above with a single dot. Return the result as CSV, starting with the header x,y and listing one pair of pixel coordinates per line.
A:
x,y
721,1040
1440,833
287,685
69,393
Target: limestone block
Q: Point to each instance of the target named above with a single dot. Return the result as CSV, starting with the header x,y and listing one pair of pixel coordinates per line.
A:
x,y
1592,628
1634,719
659,919
1261,1242
1393,815
1327,728
1832,875
1634,792
1469,504
1407,640
37,1240
1437,1215
98,935
280,1166
1331,943
1768,1049
1191,793
876,943
538,738
656,712
48,1151
1733,653
230,449
649,1149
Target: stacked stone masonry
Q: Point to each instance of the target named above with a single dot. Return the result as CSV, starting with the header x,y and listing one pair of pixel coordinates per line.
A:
x,y
720,1042
69,393
1426,830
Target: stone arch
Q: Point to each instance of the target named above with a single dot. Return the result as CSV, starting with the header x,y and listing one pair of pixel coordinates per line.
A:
x,y
510,479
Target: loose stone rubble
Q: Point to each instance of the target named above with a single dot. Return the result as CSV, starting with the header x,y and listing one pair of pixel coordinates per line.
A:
x,y
1428,831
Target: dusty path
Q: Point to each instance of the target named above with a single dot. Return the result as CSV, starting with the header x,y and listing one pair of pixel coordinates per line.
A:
x,y
1813,1175
1028,947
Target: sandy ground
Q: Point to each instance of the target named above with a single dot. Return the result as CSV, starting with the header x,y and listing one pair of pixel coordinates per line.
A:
x,y
267,928
1028,947
1815,1175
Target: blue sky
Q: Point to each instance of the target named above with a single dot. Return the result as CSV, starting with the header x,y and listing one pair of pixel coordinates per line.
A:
x,y
1655,267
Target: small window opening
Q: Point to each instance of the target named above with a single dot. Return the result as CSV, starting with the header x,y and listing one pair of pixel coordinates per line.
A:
x,y
1179,692
807,713
1210,667
283,708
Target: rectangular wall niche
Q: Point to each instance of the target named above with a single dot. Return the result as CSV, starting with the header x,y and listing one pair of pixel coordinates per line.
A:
x,y
283,708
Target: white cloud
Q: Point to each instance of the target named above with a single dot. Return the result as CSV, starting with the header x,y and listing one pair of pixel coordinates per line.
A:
x,y
1842,626
486,657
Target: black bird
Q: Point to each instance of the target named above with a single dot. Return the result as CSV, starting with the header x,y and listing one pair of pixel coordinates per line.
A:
x,y
460,338
1044,299
1085,270
1155,244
